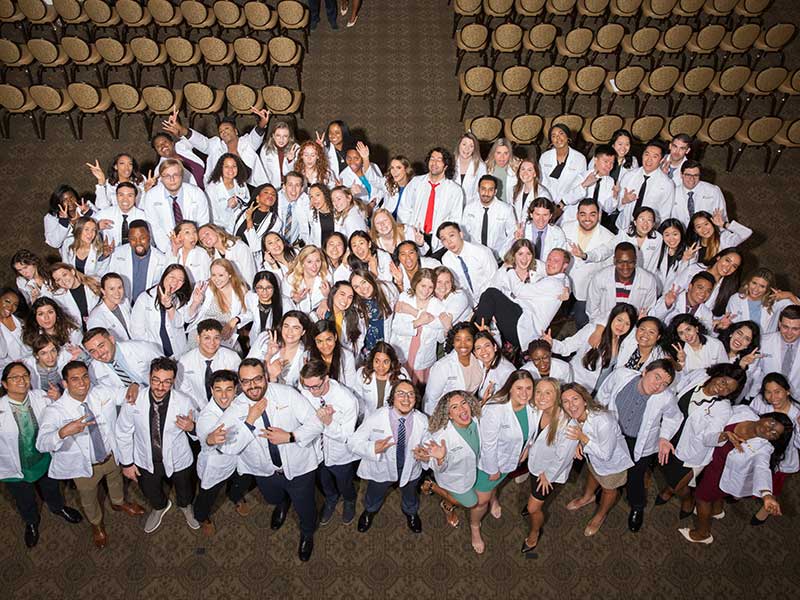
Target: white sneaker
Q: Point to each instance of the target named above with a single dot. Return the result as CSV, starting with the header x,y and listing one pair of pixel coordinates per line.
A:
x,y
188,514
154,518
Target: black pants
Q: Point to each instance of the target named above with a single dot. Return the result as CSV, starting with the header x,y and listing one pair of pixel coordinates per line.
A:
x,y
494,304
337,480
330,10
152,486
277,490
637,496
376,493
236,485
24,494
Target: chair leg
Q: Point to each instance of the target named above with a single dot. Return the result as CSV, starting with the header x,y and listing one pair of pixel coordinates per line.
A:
x,y
778,154
768,157
76,132
146,121
298,69
642,106
732,163
117,122
570,103
5,125
745,105
711,105
500,101
459,58
35,124
676,105
611,102
464,104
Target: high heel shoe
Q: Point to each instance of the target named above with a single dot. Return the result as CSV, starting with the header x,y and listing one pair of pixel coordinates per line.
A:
x,y
449,513
659,501
528,549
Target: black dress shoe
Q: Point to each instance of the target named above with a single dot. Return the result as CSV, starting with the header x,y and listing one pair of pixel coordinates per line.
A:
x,y
365,521
279,516
414,523
755,521
31,534
635,519
659,501
70,515
306,548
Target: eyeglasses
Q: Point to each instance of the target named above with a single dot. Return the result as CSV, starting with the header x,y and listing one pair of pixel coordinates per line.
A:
x,y
315,388
258,379
264,288
400,395
18,378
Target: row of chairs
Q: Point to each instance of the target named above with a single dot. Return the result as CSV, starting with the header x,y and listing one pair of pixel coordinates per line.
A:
x,y
579,11
723,131
736,82
41,101
116,17
143,53
749,41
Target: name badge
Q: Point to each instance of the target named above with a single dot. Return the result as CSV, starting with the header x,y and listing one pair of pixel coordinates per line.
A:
x,y
457,448
189,372
378,431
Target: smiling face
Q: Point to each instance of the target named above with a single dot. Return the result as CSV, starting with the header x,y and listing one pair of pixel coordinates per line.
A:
x,y
486,191
776,395
621,324
622,145
741,339
334,248
465,148
280,137
526,172
362,286
47,356
360,247
541,217
383,223
172,178
326,343
398,172
408,257
703,227
223,393
101,347
625,264
89,232
769,429
502,155
405,397
173,281
672,237
588,217
651,158
220,277
292,330
77,383
574,405
381,364
678,149
164,147
114,290
556,263
444,285
317,198
64,279
544,396
253,381
312,264
558,138
227,132
521,392
688,334
335,136
459,411
273,243
655,381
463,343
208,237
542,359
644,223
208,342
229,169
757,288
523,258
436,164
699,292
139,239
353,160
484,351
789,329
9,304
647,335
690,178
264,291
340,200
161,381
603,164
293,186
46,318
727,265
721,386
342,298
424,289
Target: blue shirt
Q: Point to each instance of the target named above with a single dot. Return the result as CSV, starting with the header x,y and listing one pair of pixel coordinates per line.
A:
x,y
139,265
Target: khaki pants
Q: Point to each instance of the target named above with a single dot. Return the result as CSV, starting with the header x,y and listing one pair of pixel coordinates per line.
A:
x,y
87,489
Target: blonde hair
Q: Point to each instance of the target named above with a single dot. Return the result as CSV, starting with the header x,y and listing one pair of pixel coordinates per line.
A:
x,y
77,233
354,202
490,159
227,239
441,414
295,275
398,230
237,283
90,282
556,411
769,297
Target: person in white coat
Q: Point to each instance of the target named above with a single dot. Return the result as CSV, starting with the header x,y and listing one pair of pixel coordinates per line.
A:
x,y
85,249
215,469
646,186
113,312
119,364
23,468
692,347
197,366
749,450
278,152
496,368
153,435
186,252
276,439
760,300
11,328
115,221
473,264
170,148
549,457
561,165
227,191
620,282
535,226
709,233
264,302
123,169
347,215
385,442
679,148
363,177
78,430
602,446
337,408
46,363
649,417
528,188
706,408
294,207
77,293
490,221
541,362
596,183
779,351
374,380
260,216
676,302
64,207
693,195
219,244
458,369
138,263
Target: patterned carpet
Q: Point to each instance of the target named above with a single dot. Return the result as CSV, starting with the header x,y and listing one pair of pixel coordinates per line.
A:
x,y
391,78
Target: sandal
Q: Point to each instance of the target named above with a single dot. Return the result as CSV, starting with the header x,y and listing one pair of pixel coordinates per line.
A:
x,y
479,547
579,503
496,510
449,513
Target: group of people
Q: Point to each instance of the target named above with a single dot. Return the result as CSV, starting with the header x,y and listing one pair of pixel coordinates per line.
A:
x,y
258,312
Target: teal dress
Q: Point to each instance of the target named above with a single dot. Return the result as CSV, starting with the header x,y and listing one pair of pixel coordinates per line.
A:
x,y
33,464
471,436
483,483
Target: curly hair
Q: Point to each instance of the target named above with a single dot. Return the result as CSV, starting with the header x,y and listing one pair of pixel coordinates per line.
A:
x,y
25,257
295,275
111,172
368,370
451,334
242,170
441,414
64,324
321,166
391,185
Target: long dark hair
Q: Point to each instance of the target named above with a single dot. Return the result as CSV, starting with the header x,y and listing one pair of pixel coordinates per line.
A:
x,y
605,349
368,369
705,253
449,163
352,313
111,172
183,294
289,252
64,324
242,170
276,304
326,326
273,210
347,137
485,335
353,261
628,162
782,442
688,319
305,322
730,284
725,337
664,253
730,370
384,306
502,396
632,227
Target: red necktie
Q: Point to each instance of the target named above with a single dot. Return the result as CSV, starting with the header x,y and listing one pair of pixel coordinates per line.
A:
x,y
428,226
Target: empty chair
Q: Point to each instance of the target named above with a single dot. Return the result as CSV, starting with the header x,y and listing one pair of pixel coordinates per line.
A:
x,y
559,8
640,44
197,15
10,13
790,87
539,39
751,9
787,137
550,81
624,82
486,129
764,84
590,9
689,124
575,44
161,102
53,101
657,10
694,84
284,52
70,12
497,9
165,14
149,54
645,128
719,9
513,81
13,56
688,9
523,129
216,53
16,101
81,54
624,9
465,8
475,82
607,40
739,41
720,131
182,54
202,100
127,101
90,101
673,41
471,39
756,133
773,40
250,52
506,39
282,101
48,56
241,98
133,14
229,15
728,83
115,55
293,16
705,43
600,129
659,83
586,81
37,13
102,15
260,17
528,8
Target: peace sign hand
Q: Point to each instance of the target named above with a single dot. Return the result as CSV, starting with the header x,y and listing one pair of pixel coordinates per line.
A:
x,y
97,171
76,426
691,251
680,354
319,138
263,116
547,337
671,296
628,196
150,181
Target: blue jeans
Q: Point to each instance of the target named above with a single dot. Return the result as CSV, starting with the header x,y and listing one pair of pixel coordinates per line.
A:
x,y
330,10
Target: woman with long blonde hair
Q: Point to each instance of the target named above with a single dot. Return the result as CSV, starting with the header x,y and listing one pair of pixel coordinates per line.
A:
x,y
387,233
220,244
222,297
86,251
502,165
348,212
469,165
77,293
759,300
308,281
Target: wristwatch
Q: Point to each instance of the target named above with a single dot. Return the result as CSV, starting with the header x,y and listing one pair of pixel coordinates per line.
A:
x,y
291,438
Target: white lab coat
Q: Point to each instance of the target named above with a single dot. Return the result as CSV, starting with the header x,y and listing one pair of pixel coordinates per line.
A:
x,y
184,150
572,197
659,195
121,263
700,433
64,356
157,207
403,331
367,392
555,460
573,169
213,465
114,214
458,471
332,445
251,304
448,206
500,225
706,197
247,149
522,203
606,449
10,465
791,459
771,361
507,281
254,236
579,345
747,473
496,377
95,265
350,222
242,258
446,375
68,304
502,444
469,179
767,320
311,300
660,310
540,302
559,369
661,418
383,467
627,347
710,353
72,455
581,271
146,325
105,196
191,377
646,253
554,237
136,354
13,346
272,170
375,179
481,265
55,232
101,316
197,263
134,443
601,295
456,304
218,196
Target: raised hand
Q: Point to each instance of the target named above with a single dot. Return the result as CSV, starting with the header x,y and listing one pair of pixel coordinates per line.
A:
x,y
383,445
292,152
547,336
185,422
273,347
717,218
519,231
97,172
487,393
263,116
691,251
173,126
73,427
671,296
199,291
217,436
320,139
53,393
575,250
680,354
108,248
590,180
749,359
628,196
256,410
150,181
437,451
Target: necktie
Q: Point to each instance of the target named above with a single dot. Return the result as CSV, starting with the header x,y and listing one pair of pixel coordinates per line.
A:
x,y
690,203
209,373
274,453
640,196
99,451
401,447
485,227
633,361
287,227
596,194
196,171
121,373
124,229
466,272
155,434
164,334
537,245
788,359
176,210
428,225
670,171
322,437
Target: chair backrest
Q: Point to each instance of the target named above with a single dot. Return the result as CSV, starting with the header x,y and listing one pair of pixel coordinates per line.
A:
x,y
542,36
124,96
691,7
473,36
722,129
793,132
603,127
647,127
661,9
144,49
130,11
158,99
689,124
47,97
762,130
609,36
258,14
780,34
213,48
11,97
593,8
163,11
743,37
194,12
241,97
625,8
98,11
732,79
77,49
498,8
68,10
478,80
753,7
663,79
507,37
723,7
697,79
227,13
198,96
44,51
179,49
290,13
530,7
627,80
525,128
247,49
8,10
467,7
677,36
590,78
645,39
552,78
486,129
282,49
110,49
516,78
574,122
561,6
9,52
709,37
768,80
277,98
578,40
34,10
85,96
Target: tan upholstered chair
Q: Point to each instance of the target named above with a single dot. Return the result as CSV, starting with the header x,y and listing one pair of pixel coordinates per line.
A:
x,y
241,98
574,122
719,9
229,15
764,84
260,17
590,9
645,128
101,13
284,52
506,39
523,129
90,101
686,123
465,8
116,55
624,9
202,100
728,83
751,9
528,8
165,14
739,42
659,83
282,101
705,42
539,39
70,12
293,16
476,82
216,53
624,82
149,54
497,9
560,8
688,9
16,101
513,81
10,13
182,54
471,39
197,15
600,129
37,13
607,41
640,44
486,129
250,52
550,81
657,10
81,54
53,101
586,81
14,56
774,40
127,101
133,14
48,56
790,87
787,137
756,134
575,44
693,83
673,42
161,102
720,131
